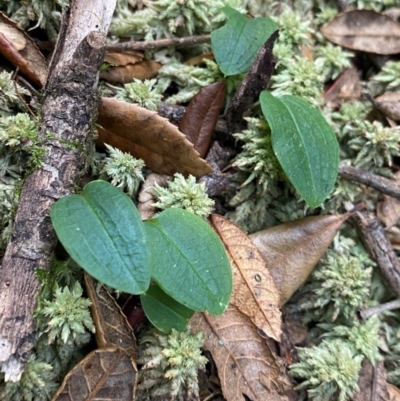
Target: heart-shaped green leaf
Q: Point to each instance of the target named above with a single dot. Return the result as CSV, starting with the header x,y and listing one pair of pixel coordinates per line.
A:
x,y
163,311
237,43
102,231
304,144
188,261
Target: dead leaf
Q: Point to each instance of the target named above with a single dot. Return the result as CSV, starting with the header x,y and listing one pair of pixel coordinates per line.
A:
x,y
112,327
199,59
393,13
146,135
291,250
28,59
364,30
13,35
243,358
389,104
346,87
394,392
255,81
144,69
388,210
147,194
200,119
121,59
105,374
254,291
372,383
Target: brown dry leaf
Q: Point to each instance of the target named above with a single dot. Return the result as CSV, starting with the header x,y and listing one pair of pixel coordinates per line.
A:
x,y
105,374
146,135
291,250
120,59
112,327
125,74
364,30
13,35
243,358
199,59
28,59
147,194
201,116
254,291
388,210
372,383
394,392
389,104
346,87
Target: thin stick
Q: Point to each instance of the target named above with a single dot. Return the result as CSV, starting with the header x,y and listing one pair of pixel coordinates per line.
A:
x,y
379,246
20,96
367,313
377,182
157,44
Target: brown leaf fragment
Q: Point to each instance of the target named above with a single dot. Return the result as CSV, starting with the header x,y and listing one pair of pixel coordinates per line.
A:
x,y
364,30
112,327
201,116
394,392
372,383
28,59
254,291
125,74
242,357
389,105
254,82
105,374
121,59
291,250
388,210
146,135
147,194
346,87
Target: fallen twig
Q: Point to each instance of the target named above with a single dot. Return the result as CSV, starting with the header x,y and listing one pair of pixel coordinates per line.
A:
x,y
157,44
367,313
377,182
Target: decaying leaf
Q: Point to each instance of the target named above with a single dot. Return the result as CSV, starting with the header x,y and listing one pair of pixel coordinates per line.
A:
x,y
254,291
346,87
146,135
291,250
20,50
394,392
125,74
120,59
201,116
372,383
243,358
105,374
112,327
364,30
389,104
147,195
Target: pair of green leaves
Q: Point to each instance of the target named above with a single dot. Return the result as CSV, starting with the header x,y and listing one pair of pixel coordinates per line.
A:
x,y
303,141
102,231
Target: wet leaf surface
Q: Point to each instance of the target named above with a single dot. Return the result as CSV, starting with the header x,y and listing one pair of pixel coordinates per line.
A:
x,y
254,290
146,135
291,250
112,327
20,50
201,116
105,374
364,30
243,358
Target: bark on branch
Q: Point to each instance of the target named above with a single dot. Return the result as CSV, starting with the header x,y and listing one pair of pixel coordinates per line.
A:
x,y
68,114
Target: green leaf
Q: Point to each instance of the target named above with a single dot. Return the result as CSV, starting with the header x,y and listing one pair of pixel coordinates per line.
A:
x,y
237,43
304,144
163,311
102,231
188,261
